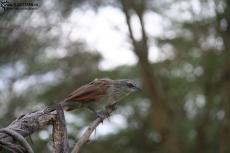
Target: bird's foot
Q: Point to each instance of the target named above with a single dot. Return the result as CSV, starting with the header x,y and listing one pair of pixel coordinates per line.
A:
x,y
106,114
113,107
100,115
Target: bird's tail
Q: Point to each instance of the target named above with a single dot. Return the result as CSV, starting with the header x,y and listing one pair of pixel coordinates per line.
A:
x,y
69,105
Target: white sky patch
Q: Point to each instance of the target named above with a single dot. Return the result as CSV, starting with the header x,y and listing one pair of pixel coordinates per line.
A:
x,y
154,24
135,24
154,54
71,118
200,101
44,134
106,31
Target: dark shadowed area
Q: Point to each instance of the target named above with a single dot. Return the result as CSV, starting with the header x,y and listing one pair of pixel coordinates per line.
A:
x,y
177,51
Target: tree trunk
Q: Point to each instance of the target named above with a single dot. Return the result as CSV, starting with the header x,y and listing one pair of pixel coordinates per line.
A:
x,y
161,115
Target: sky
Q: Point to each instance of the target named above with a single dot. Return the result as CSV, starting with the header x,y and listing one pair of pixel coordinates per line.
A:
x,y
106,32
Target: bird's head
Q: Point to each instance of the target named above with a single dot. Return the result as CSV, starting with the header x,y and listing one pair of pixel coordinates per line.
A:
x,y
126,86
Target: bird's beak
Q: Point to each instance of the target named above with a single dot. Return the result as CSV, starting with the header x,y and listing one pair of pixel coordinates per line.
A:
x,y
138,88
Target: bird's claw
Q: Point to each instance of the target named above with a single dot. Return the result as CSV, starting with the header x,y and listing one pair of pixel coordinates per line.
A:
x,y
112,107
107,114
100,115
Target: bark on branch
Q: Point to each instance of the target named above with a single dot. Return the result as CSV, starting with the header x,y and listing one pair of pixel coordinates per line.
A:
x,y
29,123
85,137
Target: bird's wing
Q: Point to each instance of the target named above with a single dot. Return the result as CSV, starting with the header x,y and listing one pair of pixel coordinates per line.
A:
x,y
89,92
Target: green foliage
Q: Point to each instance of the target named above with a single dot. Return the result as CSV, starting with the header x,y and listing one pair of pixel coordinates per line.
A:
x,y
37,69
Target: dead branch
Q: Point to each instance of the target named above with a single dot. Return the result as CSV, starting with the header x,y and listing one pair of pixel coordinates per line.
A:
x,y
85,137
32,122
60,137
29,123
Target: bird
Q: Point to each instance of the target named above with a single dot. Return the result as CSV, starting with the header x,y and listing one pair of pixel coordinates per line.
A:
x,y
99,94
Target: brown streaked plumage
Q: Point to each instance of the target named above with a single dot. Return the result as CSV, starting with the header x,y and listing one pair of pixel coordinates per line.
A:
x,y
98,94
90,92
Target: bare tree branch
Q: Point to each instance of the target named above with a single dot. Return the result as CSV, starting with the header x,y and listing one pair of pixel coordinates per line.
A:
x,y
60,137
18,137
29,123
85,137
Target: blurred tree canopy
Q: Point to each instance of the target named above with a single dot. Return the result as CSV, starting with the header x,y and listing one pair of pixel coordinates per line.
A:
x,y
186,103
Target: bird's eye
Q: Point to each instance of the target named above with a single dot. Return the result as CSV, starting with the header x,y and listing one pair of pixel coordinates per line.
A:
x,y
130,85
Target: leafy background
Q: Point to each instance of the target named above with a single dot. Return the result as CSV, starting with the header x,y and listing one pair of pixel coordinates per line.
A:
x,y
185,106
